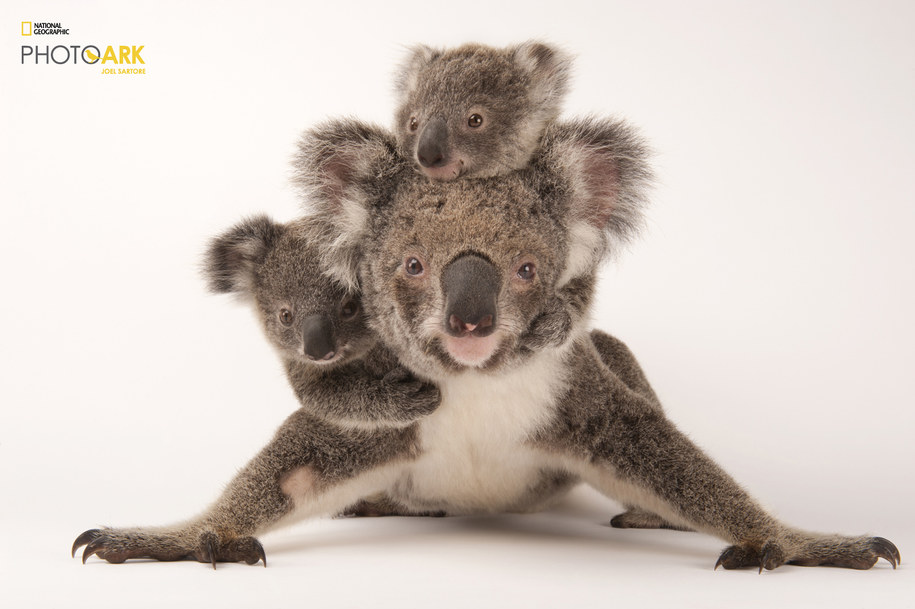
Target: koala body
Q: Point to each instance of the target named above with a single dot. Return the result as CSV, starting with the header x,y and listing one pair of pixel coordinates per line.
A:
x,y
452,274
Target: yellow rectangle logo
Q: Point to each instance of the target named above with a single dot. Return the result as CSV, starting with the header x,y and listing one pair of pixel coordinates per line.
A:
x,y
26,28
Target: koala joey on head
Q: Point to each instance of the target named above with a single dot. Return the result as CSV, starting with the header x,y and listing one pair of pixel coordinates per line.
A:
x,y
475,110
333,361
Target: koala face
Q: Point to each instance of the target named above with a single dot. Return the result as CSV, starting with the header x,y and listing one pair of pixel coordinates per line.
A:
x,y
459,270
307,316
453,273
476,110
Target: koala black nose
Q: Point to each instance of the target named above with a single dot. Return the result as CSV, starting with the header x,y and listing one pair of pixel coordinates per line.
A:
x,y
471,285
318,334
432,149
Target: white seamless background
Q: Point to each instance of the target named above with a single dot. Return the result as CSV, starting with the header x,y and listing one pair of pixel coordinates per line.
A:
x,y
770,298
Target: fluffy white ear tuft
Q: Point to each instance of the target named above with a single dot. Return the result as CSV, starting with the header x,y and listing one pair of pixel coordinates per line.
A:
x,y
344,168
550,70
407,74
603,165
233,257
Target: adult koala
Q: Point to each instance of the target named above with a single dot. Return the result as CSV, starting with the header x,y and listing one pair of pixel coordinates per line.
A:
x,y
452,276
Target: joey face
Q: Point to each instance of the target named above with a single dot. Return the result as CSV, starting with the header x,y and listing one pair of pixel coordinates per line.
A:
x,y
460,270
307,316
478,111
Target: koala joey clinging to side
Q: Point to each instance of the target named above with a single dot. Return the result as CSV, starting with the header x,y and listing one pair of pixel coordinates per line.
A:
x,y
333,361
477,111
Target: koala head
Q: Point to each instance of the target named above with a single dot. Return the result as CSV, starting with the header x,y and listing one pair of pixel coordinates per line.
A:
x,y
453,273
476,110
306,315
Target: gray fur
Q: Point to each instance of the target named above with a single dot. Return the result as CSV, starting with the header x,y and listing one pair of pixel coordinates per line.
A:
x,y
514,428
516,91
276,267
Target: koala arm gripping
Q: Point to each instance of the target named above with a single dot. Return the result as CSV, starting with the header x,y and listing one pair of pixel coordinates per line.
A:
x,y
565,310
620,442
309,468
372,391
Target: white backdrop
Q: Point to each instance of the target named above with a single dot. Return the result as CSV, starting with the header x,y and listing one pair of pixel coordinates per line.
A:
x,y
770,299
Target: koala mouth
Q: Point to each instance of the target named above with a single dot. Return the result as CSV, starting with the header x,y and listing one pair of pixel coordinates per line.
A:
x,y
451,170
469,350
336,357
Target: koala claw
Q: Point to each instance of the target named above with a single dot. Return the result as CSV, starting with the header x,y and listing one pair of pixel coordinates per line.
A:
x,y
772,556
84,539
886,549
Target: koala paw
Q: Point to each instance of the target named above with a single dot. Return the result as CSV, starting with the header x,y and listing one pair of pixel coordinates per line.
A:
x,y
549,329
847,552
412,395
116,546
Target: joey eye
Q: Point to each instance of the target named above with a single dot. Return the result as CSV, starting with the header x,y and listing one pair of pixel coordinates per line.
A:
x,y
474,121
414,124
285,317
349,309
413,267
527,271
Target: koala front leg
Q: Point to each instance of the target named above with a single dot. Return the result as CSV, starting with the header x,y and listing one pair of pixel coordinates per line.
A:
x,y
361,392
566,308
622,444
310,468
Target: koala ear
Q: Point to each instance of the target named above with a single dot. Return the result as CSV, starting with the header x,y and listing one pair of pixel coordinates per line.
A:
x,y
550,69
233,257
602,167
345,168
418,56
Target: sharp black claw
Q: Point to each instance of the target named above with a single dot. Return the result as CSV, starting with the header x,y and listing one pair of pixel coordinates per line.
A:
x,y
886,549
260,552
94,546
83,539
211,552
727,552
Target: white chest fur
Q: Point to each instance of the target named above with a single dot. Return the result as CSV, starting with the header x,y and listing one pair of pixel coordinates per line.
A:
x,y
475,457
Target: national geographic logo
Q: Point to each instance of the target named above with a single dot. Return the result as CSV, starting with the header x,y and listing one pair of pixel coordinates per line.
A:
x,y
44,29
113,58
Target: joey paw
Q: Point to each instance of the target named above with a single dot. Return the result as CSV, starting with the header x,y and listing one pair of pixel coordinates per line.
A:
x,y
417,397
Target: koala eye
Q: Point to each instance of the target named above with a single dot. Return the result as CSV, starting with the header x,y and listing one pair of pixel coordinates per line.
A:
x,y
349,309
413,267
474,121
285,317
414,124
527,271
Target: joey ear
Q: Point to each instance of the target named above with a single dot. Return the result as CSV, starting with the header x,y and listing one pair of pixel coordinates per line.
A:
x,y
550,69
345,168
603,165
418,57
234,256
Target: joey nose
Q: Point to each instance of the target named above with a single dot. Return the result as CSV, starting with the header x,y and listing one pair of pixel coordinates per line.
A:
x,y
319,339
471,285
432,149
